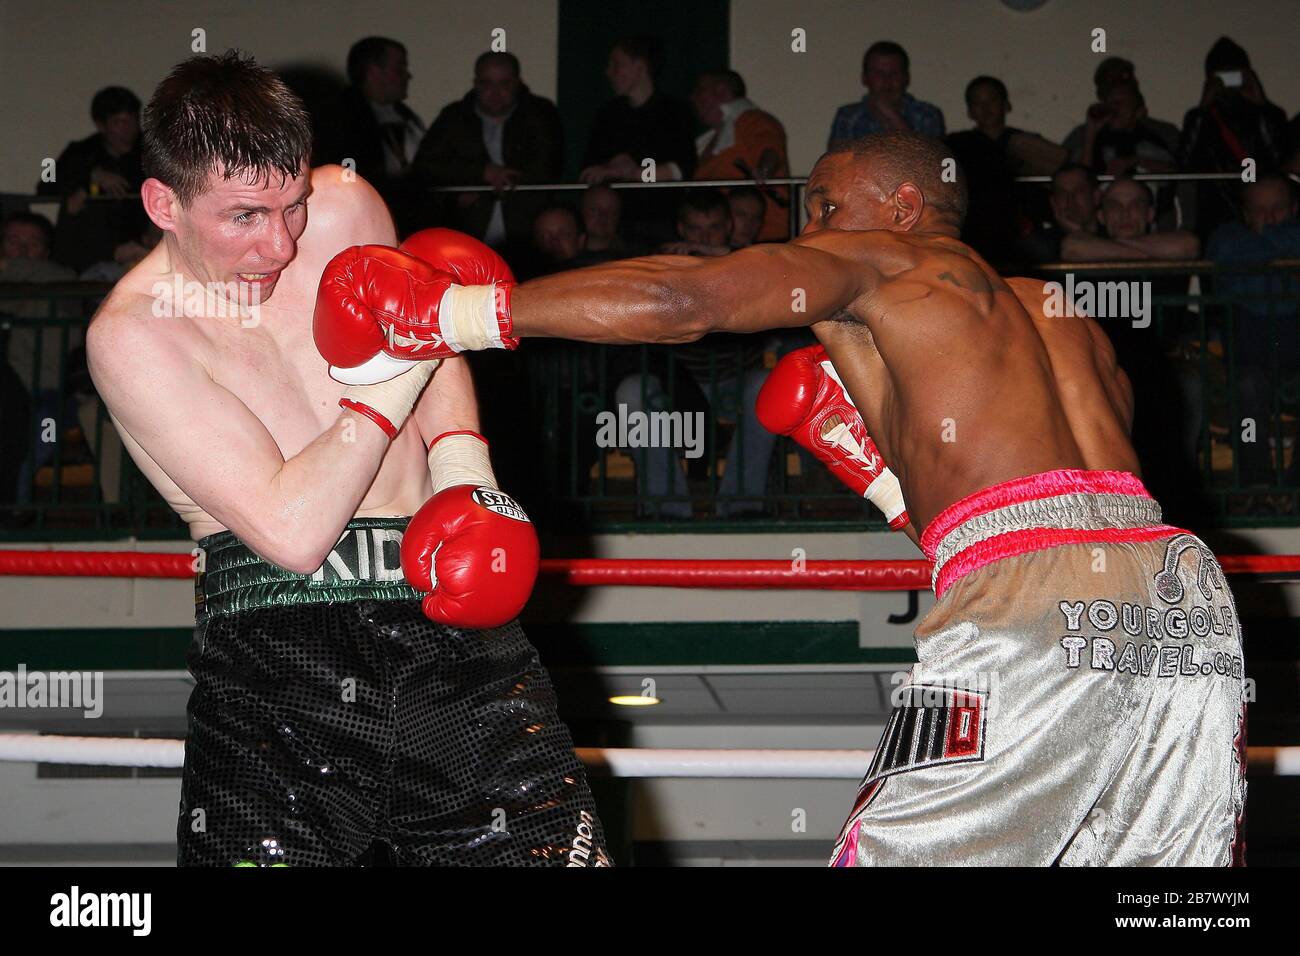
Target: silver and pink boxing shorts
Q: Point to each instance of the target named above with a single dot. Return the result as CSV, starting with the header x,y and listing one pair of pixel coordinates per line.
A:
x,y
1079,696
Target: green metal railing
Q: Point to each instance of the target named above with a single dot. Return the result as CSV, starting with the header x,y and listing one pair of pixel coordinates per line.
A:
x,y
542,405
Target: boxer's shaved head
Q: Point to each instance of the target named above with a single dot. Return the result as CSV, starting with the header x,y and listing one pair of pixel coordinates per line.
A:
x,y
223,114
907,157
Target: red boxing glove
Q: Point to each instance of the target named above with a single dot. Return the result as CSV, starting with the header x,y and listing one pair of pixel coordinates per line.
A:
x,y
800,399
476,551
380,310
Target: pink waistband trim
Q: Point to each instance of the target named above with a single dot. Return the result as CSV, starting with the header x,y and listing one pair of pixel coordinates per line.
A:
x,y
1048,484
1015,543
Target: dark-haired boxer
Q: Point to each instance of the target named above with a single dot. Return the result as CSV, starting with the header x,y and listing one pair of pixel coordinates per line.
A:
x,y
333,721
1079,696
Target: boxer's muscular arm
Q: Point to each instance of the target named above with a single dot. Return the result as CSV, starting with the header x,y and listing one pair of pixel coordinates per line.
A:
x,y
221,455
673,299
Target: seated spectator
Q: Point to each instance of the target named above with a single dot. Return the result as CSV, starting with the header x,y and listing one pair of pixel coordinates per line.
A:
x,y
498,134
558,239
886,73
1119,143
1116,71
125,257
370,126
990,163
748,213
742,142
602,222
703,225
97,180
1127,213
727,371
1073,200
1265,339
640,123
32,382
1233,122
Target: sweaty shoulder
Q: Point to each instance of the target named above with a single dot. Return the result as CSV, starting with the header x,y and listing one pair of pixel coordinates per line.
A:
x,y
883,250
343,210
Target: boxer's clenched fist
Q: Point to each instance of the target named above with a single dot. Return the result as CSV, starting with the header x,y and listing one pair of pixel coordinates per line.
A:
x,y
471,546
804,398
381,310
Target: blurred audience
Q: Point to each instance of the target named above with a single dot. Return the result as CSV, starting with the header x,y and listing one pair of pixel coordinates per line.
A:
x,y
748,213
1265,338
370,126
1073,201
886,73
1234,122
498,134
640,123
32,382
742,142
97,180
726,371
1126,214
601,209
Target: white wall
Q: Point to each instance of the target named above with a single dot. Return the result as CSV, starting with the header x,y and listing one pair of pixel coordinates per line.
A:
x,y
54,54
1044,57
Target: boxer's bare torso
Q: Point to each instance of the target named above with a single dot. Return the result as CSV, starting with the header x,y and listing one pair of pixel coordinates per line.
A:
x,y
264,365
965,382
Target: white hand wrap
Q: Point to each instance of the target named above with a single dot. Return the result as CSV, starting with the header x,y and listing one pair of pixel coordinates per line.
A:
x,y
467,318
460,458
392,400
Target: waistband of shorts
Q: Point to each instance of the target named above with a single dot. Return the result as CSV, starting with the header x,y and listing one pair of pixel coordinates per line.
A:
x,y
365,564
1036,512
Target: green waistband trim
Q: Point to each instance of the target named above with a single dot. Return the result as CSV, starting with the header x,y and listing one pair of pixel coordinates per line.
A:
x,y
365,565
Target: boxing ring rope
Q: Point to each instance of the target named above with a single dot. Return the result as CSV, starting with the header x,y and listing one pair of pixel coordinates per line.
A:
x,y
715,573
631,762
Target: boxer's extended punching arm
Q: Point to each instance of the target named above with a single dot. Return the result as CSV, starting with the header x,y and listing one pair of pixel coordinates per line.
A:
x,y
673,299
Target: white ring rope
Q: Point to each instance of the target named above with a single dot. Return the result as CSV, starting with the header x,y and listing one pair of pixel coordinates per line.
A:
x,y
617,762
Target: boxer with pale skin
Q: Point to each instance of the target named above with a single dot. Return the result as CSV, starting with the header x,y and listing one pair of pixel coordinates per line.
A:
x,y
363,695
1079,696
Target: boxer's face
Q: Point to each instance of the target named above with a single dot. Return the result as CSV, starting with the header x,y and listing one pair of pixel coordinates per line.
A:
x,y
243,233
843,194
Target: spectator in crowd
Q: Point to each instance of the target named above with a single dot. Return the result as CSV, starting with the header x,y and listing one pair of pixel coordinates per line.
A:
x,y
1143,345
370,126
97,180
887,105
1073,200
742,142
1234,122
991,155
703,225
125,257
498,134
601,209
1117,142
748,213
640,123
1265,339
1116,71
725,371
32,383
1127,213
557,238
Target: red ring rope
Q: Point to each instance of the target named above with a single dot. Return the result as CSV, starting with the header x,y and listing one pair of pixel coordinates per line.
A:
x,y
719,573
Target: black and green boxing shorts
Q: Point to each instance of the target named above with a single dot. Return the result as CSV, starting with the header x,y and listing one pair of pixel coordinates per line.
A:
x,y
333,724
